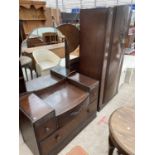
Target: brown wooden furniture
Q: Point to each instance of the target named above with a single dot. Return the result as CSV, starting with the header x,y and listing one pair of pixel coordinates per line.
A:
x,y
71,34
102,35
55,110
122,131
50,38
32,14
35,42
41,83
51,116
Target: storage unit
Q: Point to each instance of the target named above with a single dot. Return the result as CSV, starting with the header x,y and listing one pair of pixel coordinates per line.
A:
x,y
32,14
102,37
51,116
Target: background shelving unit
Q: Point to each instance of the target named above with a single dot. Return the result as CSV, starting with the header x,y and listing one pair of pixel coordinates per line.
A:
x,y
32,13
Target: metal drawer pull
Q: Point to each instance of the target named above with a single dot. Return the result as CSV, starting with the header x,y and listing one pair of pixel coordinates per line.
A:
x,y
57,137
75,113
47,129
88,110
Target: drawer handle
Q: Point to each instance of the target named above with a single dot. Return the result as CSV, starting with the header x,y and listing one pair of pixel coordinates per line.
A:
x,y
57,137
75,113
47,129
88,110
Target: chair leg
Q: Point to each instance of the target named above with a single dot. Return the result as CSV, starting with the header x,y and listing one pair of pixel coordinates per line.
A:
x,y
31,73
111,147
26,74
36,74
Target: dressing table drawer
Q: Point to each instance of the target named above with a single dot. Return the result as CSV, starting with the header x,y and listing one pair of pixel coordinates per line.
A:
x,y
45,127
57,138
72,114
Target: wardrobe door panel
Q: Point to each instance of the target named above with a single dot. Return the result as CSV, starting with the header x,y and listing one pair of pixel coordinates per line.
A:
x,y
92,41
106,55
120,28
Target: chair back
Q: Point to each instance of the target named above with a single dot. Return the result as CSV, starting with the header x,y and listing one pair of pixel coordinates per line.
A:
x,y
41,55
50,37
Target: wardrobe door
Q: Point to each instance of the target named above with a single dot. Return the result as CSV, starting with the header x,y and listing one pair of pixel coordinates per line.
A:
x,y
109,30
92,41
120,28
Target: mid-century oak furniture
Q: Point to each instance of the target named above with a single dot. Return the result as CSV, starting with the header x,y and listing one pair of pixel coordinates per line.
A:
x,y
102,37
55,112
66,103
52,116
122,131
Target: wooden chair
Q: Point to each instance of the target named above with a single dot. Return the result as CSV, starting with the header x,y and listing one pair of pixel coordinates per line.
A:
x,y
45,60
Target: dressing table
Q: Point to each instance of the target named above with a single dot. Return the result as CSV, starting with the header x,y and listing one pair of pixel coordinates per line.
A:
x,y
56,107
50,117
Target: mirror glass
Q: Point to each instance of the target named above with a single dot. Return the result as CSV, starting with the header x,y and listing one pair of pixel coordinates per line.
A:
x,y
42,49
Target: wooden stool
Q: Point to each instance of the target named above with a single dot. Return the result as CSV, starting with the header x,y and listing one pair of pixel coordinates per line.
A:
x,y
122,131
77,150
26,62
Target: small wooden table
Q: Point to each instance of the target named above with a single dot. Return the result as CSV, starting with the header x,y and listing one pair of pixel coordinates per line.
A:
x,y
122,131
